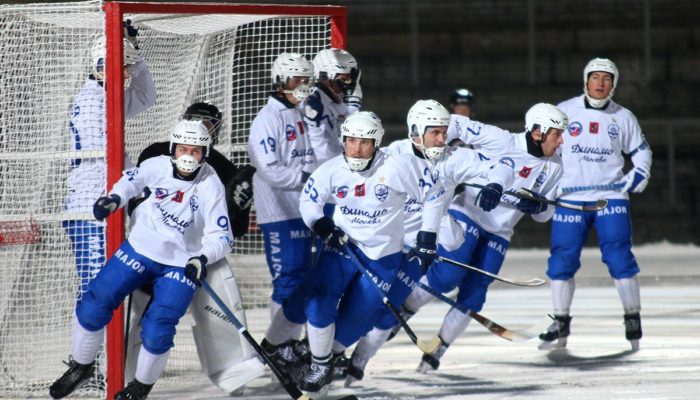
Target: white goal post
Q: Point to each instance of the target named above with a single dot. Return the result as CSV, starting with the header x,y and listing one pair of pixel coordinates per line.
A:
x,y
221,53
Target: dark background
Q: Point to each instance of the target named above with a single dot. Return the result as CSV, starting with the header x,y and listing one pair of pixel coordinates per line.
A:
x,y
514,53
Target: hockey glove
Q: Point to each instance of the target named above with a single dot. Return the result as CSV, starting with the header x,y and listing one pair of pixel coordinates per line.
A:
x,y
331,234
240,188
636,180
313,109
105,206
196,269
353,92
425,250
304,177
528,206
489,197
130,34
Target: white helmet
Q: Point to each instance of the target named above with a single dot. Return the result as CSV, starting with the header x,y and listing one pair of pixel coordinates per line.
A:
x,y
193,133
421,116
98,54
363,125
330,62
602,65
545,116
290,65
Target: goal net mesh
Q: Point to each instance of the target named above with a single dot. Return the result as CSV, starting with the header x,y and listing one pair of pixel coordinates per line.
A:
x,y
221,58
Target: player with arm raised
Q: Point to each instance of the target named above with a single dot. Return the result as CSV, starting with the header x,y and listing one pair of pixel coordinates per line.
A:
x,y
180,228
337,95
369,189
428,122
280,150
87,125
600,131
532,155
229,363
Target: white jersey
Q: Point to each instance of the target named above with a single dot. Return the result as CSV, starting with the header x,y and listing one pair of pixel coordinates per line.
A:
x,y
369,204
457,165
538,174
87,125
280,149
593,147
325,138
181,218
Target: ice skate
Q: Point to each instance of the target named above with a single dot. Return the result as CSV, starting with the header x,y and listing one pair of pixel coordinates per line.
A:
x,y
555,337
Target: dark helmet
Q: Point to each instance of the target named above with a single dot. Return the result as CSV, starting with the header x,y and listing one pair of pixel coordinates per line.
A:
x,y
462,96
205,111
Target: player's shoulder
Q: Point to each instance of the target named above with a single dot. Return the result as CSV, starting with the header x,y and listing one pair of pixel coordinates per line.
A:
x,y
398,147
572,103
620,111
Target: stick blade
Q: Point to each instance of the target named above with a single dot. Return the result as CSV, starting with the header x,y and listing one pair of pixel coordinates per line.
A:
x,y
430,346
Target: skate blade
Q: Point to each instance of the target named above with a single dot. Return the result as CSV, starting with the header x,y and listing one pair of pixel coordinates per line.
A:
x,y
349,380
553,345
321,394
425,368
635,344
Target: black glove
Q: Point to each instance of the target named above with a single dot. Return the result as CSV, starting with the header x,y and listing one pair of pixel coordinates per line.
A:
x,y
353,91
331,234
196,269
130,34
528,206
425,250
105,206
304,177
489,197
313,109
240,187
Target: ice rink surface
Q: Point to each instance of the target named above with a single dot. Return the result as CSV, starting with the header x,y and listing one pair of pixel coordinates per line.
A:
x,y
597,364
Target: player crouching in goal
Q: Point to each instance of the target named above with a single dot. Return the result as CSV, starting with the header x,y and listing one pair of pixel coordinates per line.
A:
x,y
182,227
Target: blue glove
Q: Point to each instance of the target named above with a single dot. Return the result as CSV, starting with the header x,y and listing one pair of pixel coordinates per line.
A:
x,y
528,206
636,180
313,109
489,197
425,250
105,206
196,269
331,234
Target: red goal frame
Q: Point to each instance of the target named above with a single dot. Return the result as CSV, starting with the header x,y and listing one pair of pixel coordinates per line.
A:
x,y
114,15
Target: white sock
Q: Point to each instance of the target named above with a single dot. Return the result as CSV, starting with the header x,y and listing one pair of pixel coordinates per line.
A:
x,y
150,366
274,307
320,340
281,329
369,344
86,343
563,295
418,297
338,347
628,290
453,325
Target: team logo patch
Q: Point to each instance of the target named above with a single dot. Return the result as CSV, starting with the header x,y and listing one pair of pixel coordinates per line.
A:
x,y
161,193
525,172
360,190
381,192
341,192
194,203
613,131
507,161
290,132
575,128
179,196
540,179
593,127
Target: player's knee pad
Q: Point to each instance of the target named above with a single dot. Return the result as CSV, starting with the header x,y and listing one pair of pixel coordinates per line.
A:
x,y
385,320
562,265
157,338
444,277
620,260
322,310
92,312
473,297
293,307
